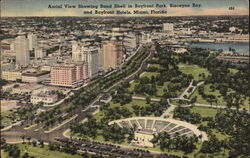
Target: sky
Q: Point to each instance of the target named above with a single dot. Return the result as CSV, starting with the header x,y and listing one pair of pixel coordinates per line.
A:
x,y
14,8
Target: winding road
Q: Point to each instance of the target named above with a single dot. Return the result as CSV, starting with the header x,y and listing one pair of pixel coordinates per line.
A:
x,y
13,135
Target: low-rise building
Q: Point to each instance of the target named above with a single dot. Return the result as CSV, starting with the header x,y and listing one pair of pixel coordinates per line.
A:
x,y
26,89
35,77
12,75
45,98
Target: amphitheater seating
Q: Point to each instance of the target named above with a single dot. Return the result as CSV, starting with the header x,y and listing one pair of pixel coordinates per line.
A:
x,y
159,125
173,130
126,124
141,122
169,127
156,125
149,123
134,123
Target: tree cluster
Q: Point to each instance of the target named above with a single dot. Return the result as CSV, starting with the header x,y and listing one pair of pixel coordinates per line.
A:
x,y
182,143
185,114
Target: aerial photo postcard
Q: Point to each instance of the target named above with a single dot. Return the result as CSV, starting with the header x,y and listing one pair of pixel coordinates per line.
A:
x,y
124,79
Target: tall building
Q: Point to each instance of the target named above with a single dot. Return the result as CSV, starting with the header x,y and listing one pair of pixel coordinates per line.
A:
x,y
21,45
130,42
39,53
111,54
32,41
168,27
90,55
76,51
69,75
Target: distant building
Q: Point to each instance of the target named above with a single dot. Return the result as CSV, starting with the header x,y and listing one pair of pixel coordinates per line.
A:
x,y
130,42
168,27
32,41
35,77
76,51
22,51
69,75
7,66
26,89
45,68
12,75
146,38
180,50
39,53
45,98
232,29
112,54
8,87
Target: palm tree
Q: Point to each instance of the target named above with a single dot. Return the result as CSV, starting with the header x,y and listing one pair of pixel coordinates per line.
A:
x,y
28,138
41,143
23,138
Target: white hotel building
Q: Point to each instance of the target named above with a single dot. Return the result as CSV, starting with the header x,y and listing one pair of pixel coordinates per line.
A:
x,y
90,55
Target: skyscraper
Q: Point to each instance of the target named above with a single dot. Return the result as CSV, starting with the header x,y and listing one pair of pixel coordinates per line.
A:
x,y
32,41
39,53
76,51
112,54
90,55
21,46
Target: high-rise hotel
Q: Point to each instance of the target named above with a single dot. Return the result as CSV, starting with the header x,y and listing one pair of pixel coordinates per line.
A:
x,y
69,75
32,41
90,55
21,47
111,54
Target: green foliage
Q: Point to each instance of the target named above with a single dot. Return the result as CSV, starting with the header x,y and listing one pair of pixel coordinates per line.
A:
x,y
12,149
89,128
117,134
183,143
211,146
185,114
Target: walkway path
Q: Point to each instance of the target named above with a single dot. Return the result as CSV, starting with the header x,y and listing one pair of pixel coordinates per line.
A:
x,y
169,112
144,98
186,93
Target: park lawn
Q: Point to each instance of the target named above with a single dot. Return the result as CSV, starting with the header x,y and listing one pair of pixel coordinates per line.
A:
x,y
155,65
5,121
219,135
204,111
207,90
141,103
144,74
39,152
221,101
209,112
132,86
149,74
233,70
246,103
4,154
160,89
179,102
194,70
